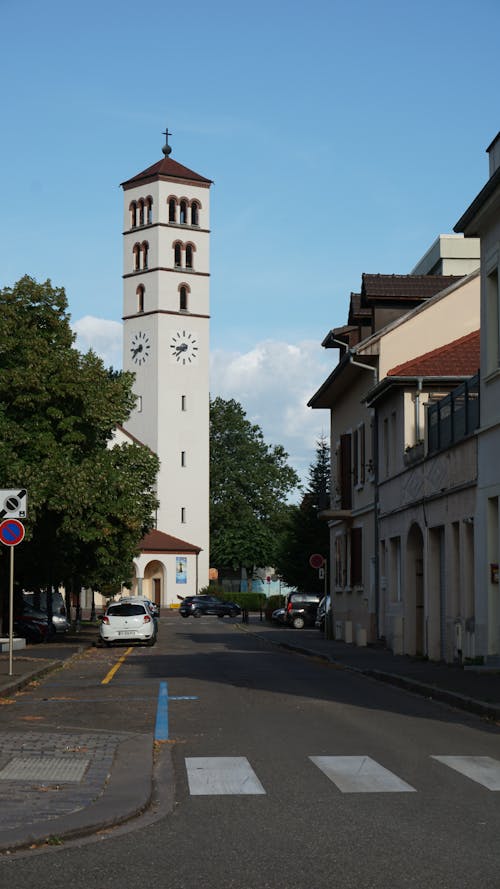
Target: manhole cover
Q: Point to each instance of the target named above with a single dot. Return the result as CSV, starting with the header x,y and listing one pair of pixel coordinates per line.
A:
x,y
44,768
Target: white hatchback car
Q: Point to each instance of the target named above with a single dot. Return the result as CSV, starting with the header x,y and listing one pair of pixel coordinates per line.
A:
x,y
128,622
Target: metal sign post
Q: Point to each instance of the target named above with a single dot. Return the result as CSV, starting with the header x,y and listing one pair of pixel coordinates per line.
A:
x,y
11,533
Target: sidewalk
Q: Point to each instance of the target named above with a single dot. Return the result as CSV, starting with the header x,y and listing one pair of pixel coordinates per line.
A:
x,y
56,785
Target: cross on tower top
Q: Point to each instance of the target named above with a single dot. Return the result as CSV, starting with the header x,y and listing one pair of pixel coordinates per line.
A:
x,y
167,148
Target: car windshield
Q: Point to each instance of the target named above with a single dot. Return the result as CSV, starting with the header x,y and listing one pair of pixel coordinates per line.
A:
x,y
125,610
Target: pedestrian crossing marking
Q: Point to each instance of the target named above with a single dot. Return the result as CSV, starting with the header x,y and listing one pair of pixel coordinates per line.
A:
x,y
360,774
482,769
221,775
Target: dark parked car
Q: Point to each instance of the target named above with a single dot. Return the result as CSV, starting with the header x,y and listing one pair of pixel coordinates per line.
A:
x,y
198,605
301,609
33,625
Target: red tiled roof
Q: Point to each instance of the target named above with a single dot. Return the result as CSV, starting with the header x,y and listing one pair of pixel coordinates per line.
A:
x,y
457,359
404,288
159,542
165,169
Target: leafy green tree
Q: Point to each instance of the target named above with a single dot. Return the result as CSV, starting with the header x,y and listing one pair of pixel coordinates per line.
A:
x,y
249,485
88,504
307,534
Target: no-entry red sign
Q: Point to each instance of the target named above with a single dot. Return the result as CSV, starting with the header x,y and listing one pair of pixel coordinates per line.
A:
x,y
11,532
316,560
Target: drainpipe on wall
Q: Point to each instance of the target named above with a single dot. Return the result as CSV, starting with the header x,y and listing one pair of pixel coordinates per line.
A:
x,y
417,410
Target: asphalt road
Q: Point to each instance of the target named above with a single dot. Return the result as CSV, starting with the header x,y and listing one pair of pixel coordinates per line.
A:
x,y
254,733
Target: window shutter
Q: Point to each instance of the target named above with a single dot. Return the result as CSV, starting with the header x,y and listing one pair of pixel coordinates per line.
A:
x,y
345,471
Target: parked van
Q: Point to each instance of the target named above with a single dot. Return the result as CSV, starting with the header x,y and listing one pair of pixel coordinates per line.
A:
x,y
301,609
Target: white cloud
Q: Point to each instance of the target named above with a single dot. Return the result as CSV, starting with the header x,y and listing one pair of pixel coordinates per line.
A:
x,y
104,337
273,382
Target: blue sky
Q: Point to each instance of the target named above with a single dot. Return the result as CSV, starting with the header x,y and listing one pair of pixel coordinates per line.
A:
x,y
341,138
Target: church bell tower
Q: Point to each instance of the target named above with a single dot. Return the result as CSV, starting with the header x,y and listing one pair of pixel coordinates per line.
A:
x,y
166,313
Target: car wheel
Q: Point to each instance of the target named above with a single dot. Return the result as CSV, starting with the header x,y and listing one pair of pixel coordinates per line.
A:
x,y
298,623
184,615
151,641
196,613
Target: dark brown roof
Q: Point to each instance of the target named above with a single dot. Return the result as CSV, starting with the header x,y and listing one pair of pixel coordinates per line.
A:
x,y
457,359
357,312
403,288
159,542
167,168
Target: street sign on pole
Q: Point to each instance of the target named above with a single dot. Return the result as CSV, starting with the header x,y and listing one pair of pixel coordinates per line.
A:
x,y
11,532
316,560
13,503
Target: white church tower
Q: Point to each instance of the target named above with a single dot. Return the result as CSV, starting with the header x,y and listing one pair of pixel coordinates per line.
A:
x,y
166,312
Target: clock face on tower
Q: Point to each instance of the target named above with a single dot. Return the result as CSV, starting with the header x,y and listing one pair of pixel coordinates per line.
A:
x,y
140,347
183,347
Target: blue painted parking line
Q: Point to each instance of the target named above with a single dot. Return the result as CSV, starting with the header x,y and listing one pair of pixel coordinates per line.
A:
x,y
161,727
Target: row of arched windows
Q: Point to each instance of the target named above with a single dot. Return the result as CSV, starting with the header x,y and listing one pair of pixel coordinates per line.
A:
x,y
183,255
141,212
184,291
140,253
181,211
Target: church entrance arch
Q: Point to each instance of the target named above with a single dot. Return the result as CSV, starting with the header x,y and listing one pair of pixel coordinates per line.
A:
x,y
154,583
414,593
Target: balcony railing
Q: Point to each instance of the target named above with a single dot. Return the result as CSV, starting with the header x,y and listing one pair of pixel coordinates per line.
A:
x,y
453,417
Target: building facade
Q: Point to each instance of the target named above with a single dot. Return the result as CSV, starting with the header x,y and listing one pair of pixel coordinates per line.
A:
x,y
482,219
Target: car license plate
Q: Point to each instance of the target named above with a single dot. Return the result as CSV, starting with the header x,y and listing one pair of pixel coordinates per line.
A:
x,y
126,632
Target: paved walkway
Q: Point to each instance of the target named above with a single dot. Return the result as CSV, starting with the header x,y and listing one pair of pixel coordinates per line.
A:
x,y
41,802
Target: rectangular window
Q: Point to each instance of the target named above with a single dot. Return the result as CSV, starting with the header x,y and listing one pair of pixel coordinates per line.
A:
x,y
362,454
355,457
385,445
183,403
138,404
183,458
395,569
492,326
183,515
356,556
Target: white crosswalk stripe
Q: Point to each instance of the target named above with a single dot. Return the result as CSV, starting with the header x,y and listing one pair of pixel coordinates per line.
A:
x,y
233,775
482,769
360,774
221,775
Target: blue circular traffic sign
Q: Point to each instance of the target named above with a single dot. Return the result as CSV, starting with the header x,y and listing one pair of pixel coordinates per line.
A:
x,y
11,532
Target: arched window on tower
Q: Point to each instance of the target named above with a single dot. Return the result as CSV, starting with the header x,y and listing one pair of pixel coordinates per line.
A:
x,y
183,212
195,208
149,211
145,251
183,298
140,297
136,250
133,214
172,207
189,256
141,212
177,254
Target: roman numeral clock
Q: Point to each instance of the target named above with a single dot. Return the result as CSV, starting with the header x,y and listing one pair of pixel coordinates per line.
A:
x,y
166,306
